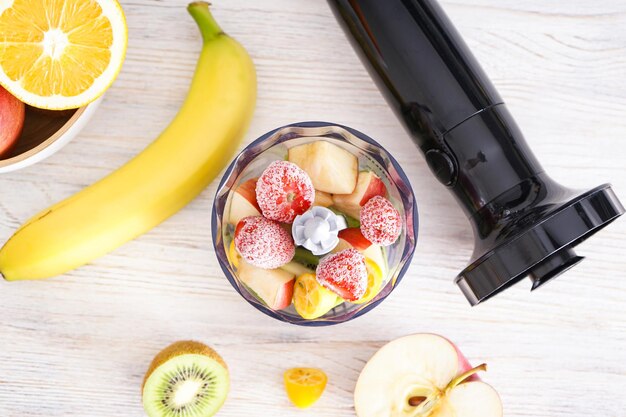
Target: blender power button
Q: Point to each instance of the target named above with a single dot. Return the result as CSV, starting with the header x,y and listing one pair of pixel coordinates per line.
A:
x,y
441,166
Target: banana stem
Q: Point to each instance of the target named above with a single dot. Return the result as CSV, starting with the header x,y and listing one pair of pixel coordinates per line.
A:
x,y
200,12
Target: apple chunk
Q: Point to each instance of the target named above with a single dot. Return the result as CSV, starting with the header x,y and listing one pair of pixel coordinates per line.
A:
x,y
273,286
323,199
12,113
243,202
423,375
332,169
368,185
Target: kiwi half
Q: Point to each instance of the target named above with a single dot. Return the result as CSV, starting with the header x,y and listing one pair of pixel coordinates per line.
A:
x,y
186,379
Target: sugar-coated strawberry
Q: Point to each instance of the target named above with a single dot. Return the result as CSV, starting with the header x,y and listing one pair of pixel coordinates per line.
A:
x,y
284,191
263,243
344,273
380,221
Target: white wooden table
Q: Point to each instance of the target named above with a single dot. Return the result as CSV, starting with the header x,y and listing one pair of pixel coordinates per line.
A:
x,y
78,345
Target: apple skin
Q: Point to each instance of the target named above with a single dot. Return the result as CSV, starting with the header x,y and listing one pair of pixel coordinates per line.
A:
x,y
464,364
376,187
284,296
12,113
273,286
368,185
248,191
243,202
355,238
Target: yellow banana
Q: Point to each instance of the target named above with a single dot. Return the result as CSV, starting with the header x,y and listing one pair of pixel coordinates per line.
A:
x,y
159,181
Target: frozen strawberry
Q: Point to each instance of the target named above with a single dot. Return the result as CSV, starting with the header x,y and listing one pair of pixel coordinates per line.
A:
x,y
283,191
344,273
263,243
380,221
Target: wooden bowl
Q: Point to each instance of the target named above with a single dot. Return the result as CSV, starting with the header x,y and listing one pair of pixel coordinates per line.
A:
x,y
44,133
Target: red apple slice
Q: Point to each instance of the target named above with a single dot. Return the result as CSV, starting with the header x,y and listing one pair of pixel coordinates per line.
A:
x,y
421,375
12,113
368,185
243,202
353,238
332,169
273,286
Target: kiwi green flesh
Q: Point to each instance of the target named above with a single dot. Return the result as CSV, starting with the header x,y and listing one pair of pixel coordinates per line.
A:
x,y
305,257
188,385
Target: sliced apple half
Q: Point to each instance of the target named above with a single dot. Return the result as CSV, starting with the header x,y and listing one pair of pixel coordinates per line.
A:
x,y
273,286
332,169
368,185
423,375
243,202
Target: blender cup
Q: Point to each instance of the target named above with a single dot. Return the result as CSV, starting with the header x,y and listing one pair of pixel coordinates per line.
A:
x,y
273,146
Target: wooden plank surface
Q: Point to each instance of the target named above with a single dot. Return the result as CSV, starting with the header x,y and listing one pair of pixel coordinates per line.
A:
x,y
78,345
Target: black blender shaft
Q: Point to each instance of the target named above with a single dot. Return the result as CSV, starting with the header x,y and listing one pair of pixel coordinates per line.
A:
x,y
447,102
524,222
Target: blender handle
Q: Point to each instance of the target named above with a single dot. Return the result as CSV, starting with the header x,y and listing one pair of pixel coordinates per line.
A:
x,y
524,222
438,89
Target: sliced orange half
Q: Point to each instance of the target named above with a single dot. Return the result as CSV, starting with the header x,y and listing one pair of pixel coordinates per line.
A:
x,y
60,54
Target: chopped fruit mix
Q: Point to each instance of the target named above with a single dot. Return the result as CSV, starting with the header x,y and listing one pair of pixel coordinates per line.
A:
x,y
304,386
380,221
263,242
283,191
264,251
344,273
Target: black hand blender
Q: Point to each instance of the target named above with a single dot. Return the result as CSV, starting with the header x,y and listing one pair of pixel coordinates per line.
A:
x,y
525,224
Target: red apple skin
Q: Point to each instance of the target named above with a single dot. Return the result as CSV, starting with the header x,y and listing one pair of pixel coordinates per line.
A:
x,y
284,296
368,185
248,191
355,238
375,187
464,364
12,112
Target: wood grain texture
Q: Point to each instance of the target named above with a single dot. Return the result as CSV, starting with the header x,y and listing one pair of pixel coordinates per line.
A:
x,y
78,345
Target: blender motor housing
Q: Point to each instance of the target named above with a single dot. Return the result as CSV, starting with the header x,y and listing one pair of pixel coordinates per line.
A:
x,y
525,224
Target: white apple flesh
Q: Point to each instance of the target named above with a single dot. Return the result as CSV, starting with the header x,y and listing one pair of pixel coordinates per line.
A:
x,y
368,185
273,286
243,202
332,169
423,375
